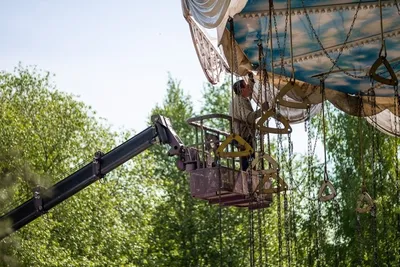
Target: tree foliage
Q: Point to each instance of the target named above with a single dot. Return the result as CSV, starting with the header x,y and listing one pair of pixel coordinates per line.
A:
x,y
143,214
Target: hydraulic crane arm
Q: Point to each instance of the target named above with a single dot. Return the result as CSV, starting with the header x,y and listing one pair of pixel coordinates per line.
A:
x,y
102,164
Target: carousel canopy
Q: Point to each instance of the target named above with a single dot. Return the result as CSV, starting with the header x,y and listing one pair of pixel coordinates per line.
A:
x,y
350,46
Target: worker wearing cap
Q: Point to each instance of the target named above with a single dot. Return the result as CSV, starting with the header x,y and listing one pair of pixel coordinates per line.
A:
x,y
242,111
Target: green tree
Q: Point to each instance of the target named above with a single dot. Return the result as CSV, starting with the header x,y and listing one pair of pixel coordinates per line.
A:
x,y
361,153
45,136
186,230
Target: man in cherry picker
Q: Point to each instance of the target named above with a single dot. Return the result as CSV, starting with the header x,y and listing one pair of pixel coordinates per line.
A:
x,y
242,110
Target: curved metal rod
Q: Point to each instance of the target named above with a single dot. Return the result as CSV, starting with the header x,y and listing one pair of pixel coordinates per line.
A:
x,y
194,122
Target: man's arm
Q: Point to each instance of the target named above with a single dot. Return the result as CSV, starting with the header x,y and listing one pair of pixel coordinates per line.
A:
x,y
252,116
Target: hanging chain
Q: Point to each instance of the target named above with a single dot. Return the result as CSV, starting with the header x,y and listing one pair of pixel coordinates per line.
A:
x,y
260,234
286,209
374,208
318,235
261,146
251,196
335,61
235,68
384,206
292,217
398,8
326,179
218,159
279,209
337,227
261,59
363,187
292,75
397,108
383,45
360,241
251,238
269,153
309,139
271,7
282,51
361,142
310,162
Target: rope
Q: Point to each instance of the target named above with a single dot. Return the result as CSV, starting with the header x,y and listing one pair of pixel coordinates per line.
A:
x,y
233,52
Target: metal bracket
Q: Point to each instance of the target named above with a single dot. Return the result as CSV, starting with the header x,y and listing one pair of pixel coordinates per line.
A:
x,y
38,199
97,164
167,134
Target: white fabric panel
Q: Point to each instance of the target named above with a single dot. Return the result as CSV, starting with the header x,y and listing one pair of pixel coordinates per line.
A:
x,y
208,13
235,7
386,122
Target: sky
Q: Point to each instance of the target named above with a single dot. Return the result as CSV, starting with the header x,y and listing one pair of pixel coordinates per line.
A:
x,y
116,57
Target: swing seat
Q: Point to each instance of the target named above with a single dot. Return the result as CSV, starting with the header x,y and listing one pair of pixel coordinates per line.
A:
x,y
274,167
326,185
364,203
267,129
248,150
266,186
377,77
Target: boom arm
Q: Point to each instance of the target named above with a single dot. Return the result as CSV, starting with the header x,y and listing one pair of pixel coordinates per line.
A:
x,y
102,164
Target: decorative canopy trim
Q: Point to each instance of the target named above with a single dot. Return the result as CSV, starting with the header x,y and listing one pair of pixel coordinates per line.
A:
x,y
318,9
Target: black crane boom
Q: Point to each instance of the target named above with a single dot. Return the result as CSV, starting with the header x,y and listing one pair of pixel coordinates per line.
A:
x,y
45,199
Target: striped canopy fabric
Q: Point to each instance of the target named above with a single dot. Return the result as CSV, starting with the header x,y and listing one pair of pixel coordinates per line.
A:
x,y
350,47
334,41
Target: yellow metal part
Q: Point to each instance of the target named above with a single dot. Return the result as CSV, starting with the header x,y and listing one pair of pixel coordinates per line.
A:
x,y
274,165
267,179
272,114
364,203
321,196
374,75
248,150
292,86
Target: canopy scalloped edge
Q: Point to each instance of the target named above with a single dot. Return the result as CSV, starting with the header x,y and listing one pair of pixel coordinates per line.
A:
x,y
211,60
